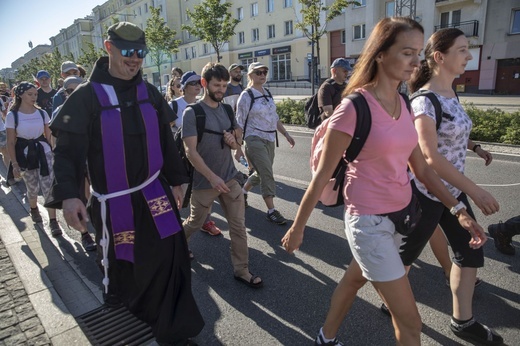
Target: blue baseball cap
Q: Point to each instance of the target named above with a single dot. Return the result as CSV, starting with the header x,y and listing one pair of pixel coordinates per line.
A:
x,y
43,74
341,62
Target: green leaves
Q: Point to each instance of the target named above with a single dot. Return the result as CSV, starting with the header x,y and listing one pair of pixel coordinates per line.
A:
x,y
212,22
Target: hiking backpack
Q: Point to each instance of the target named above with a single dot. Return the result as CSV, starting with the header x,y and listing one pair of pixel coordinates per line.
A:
x,y
439,114
312,110
332,194
200,123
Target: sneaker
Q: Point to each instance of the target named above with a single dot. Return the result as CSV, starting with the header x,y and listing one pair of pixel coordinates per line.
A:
x,y
55,228
210,228
88,243
35,215
276,217
478,282
319,341
501,238
245,200
477,332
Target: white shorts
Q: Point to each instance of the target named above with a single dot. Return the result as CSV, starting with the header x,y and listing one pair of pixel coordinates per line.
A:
x,y
374,243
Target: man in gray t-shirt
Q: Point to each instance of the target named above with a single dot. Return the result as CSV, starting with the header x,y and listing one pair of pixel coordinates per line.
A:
x,y
215,171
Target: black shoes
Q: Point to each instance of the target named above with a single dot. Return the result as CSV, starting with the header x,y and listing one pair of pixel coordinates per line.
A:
x,y
476,332
502,238
88,243
55,228
35,215
276,217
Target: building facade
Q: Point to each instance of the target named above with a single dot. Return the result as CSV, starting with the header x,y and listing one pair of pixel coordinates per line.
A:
x,y
267,33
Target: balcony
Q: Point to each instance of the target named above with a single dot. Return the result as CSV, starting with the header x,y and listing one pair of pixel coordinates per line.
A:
x,y
451,2
470,27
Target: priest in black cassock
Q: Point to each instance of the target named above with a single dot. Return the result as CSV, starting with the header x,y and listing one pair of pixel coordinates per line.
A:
x,y
119,126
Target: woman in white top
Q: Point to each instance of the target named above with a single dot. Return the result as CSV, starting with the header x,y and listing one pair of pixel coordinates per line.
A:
x,y
260,123
28,137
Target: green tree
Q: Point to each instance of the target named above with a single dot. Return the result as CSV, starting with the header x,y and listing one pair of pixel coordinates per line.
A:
x,y
160,39
90,55
310,23
212,23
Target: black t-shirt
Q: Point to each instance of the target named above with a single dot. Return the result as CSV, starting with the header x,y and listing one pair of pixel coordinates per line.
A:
x,y
330,93
44,100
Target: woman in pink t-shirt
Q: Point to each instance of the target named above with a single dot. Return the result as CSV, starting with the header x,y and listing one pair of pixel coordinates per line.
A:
x,y
377,182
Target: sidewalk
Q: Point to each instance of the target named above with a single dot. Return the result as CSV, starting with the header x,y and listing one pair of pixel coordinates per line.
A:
x,y
43,288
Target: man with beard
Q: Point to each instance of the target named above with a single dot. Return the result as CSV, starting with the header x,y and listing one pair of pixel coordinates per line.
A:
x,y
215,173
234,86
119,126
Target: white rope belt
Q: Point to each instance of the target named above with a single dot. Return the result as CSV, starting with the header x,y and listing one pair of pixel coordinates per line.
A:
x,y
105,239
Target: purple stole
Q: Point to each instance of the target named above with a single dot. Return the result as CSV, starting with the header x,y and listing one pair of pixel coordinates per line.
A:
x,y
118,190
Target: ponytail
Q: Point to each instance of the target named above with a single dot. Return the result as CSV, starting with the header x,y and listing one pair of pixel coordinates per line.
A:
x,y
420,77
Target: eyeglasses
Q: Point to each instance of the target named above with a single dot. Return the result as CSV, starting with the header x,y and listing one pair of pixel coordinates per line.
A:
x,y
193,83
263,72
69,90
128,53
176,86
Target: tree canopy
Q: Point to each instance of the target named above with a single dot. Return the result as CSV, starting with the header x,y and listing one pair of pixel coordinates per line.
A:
x,y
212,22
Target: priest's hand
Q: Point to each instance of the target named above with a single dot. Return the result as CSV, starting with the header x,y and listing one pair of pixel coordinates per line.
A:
x,y
75,214
178,195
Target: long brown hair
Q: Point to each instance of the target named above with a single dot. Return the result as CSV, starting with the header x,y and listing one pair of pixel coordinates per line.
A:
x,y
440,41
380,40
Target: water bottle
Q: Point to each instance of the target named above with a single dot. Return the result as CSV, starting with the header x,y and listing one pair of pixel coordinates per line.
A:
x,y
243,161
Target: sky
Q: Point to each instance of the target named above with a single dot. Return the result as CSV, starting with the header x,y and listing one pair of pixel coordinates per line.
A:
x,y
36,20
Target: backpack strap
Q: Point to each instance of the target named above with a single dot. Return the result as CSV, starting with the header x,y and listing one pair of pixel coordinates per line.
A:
x,y
435,102
200,119
363,125
175,106
15,114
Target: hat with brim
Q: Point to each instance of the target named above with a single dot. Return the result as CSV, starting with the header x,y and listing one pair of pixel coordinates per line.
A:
x,y
256,66
190,76
125,35
72,80
234,66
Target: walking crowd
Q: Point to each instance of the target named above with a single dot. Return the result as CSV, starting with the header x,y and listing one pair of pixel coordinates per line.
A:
x,y
110,149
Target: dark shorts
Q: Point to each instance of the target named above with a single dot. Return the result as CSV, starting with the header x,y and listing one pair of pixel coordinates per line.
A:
x,y
433,214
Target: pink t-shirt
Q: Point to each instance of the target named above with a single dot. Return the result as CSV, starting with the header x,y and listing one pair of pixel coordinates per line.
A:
x,y
377,181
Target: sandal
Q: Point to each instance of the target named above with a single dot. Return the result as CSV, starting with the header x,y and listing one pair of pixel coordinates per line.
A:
x,y
251,281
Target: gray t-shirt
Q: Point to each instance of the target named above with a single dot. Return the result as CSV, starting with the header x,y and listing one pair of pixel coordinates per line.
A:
x,y
211,148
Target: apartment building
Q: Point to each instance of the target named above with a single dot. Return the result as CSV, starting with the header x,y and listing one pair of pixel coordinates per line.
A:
x,y
267,33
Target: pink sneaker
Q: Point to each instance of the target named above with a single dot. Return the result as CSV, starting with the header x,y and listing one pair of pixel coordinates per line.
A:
x,y
210,228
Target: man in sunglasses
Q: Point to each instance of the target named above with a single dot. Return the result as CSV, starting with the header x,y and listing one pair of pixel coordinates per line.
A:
x,y
119,126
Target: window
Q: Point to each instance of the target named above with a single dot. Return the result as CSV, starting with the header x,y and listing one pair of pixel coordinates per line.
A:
x,y
145,8
270,31
255,35
188,35
193,52
139,10
270,5
445,19
343,37
281,67
455,18
241,38
186,53
240,13
359,32
390,9
289,27
361,3
254,9
287,3
205,48
515,22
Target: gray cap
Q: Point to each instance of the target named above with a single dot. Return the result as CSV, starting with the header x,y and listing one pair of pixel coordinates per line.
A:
x,y
72,80
125,35
341,62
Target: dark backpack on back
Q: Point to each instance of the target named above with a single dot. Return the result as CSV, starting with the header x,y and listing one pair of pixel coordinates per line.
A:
x,y
253,98
313,111
439,114
332,195
200,123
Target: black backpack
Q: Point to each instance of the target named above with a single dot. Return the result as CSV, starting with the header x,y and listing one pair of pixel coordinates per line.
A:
x,y
332,195
312,110
200,120
439,114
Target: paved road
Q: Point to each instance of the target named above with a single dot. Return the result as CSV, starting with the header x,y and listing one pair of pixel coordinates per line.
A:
x,y
292,305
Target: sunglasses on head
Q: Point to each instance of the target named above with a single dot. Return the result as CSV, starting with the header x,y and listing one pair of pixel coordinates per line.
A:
x,y
193,83
262,72
128,53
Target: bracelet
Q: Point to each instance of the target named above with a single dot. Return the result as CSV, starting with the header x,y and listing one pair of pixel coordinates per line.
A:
x,y
475,147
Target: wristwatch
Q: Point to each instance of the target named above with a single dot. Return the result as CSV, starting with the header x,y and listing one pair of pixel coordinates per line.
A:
x,y
456,209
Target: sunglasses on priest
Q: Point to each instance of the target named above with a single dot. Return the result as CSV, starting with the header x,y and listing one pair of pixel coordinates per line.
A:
x,y
128,53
